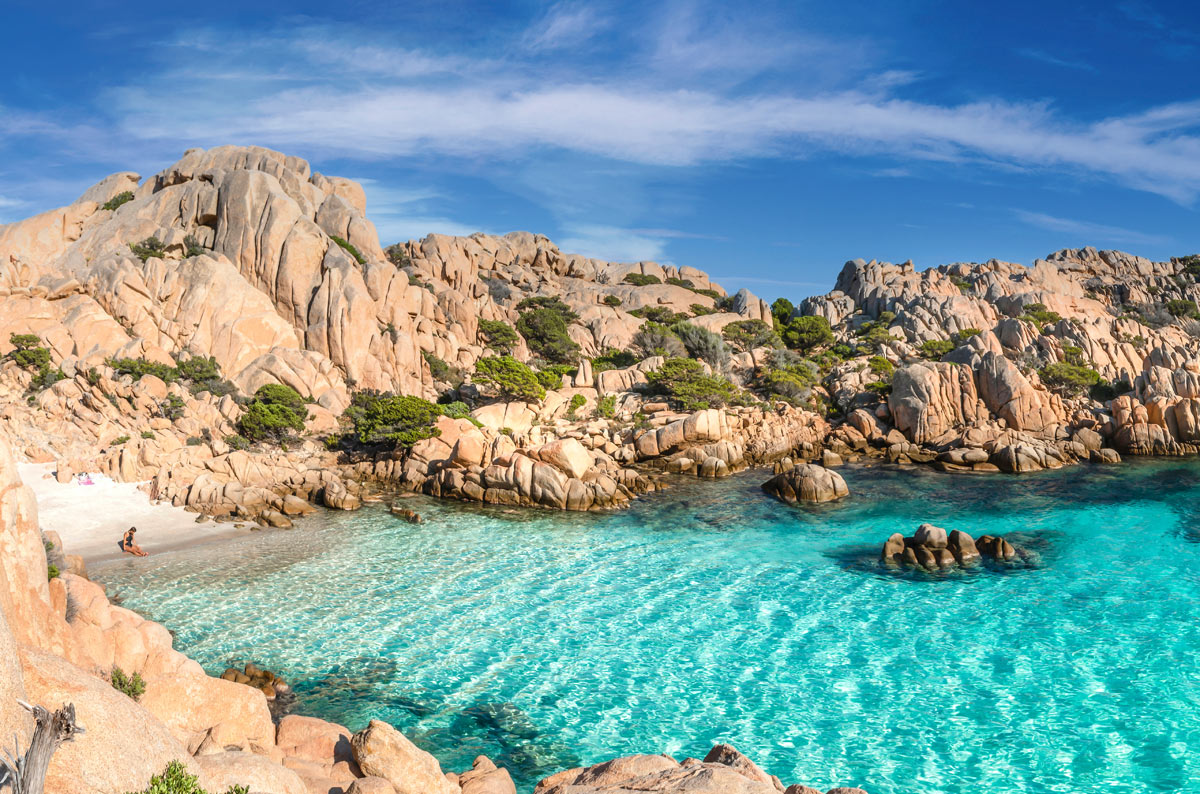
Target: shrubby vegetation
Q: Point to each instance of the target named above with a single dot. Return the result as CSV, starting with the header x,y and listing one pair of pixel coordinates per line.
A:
x,y
703,344
124,197
348,248
29,354
131,685
1069,379
683,381
389,419
275,412
746,335
577,402
788,377
551,376
441,371
606,406
1038,314
543,323
655,339
659,314
498,335
934,349
1183,308
803,333
613,359
639,280
612,300
511,378
150,247
176,780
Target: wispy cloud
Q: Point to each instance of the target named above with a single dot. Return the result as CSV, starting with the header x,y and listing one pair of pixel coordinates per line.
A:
x,y
1054,60
612,243
1087,232
401,214
565,24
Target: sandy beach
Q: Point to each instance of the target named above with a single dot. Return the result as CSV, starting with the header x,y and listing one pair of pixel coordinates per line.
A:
x,y
91,519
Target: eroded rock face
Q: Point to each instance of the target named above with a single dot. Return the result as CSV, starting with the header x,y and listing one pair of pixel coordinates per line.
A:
x,y
807,482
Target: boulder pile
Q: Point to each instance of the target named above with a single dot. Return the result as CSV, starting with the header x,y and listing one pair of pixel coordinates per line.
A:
x,y
808,482
932,549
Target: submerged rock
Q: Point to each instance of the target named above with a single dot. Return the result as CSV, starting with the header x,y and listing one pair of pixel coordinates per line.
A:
x,y
807,482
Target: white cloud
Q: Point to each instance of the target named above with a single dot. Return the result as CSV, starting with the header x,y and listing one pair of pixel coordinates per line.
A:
x,y
612,243
1054,60
402,214
1088,233
566,24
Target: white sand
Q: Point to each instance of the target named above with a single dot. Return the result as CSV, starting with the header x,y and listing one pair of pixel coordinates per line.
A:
x,y
91,519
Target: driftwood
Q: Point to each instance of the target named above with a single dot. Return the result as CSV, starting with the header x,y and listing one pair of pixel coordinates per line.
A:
x,y
27,773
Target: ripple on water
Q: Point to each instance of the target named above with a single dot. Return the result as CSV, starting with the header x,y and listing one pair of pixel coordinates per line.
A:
x,y
713,613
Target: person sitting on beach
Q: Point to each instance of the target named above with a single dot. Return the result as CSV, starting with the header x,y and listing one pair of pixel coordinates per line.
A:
x,y
129,546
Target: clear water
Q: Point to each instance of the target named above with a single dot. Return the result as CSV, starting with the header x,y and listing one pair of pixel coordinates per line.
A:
x,y
713,614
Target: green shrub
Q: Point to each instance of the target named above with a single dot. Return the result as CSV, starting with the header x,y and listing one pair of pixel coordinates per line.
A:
x,y
176,780
1105,391
881,366
198,368
499,336
879,387
1182,308
699,310
237,441
137,367
655,339
965,334
192,247
27,352
124,197
279,394
577,402
874,336
194,441
392,419
551,376
703,344
606,406
1069,379
612,300
934,349
441,371
119,440
658,314
746,335
511,378
262,421
171,408
1038,314
683,381
782,310
457,410
543,323
805,333
639,280
960,282
613,359
274,413
52,571
150,247
148,434
348,248
130,685
792,384
398,255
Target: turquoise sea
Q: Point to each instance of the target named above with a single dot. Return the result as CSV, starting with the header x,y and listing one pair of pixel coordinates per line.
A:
x,y
711,613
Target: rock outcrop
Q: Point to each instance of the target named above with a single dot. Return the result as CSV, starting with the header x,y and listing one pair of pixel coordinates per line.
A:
x,y
932,549
807,482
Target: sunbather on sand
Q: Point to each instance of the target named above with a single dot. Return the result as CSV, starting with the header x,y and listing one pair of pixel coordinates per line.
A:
x,y
129,546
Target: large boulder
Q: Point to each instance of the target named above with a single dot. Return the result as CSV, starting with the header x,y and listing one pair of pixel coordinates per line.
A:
x,y
221,771
191,705
115,727
807,482
382,751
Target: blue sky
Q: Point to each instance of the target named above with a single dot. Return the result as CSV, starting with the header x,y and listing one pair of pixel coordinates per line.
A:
x,y
765,143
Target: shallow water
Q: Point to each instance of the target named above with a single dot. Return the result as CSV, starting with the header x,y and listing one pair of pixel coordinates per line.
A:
x,y
711,613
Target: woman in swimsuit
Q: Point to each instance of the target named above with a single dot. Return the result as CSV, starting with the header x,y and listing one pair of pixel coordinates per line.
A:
x,y
129,546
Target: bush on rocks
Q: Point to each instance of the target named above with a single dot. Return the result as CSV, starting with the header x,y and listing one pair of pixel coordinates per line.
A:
x,y
275,412
543,323
655,339
1069,379
350,249
498,335
131,685
509,377
934,349
28,354
746,335
124,197
683,381
175,779
392,419
640,280
703,344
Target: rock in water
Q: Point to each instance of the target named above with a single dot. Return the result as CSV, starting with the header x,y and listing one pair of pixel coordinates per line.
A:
x,y
382,751
807,482
931,536
963,547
